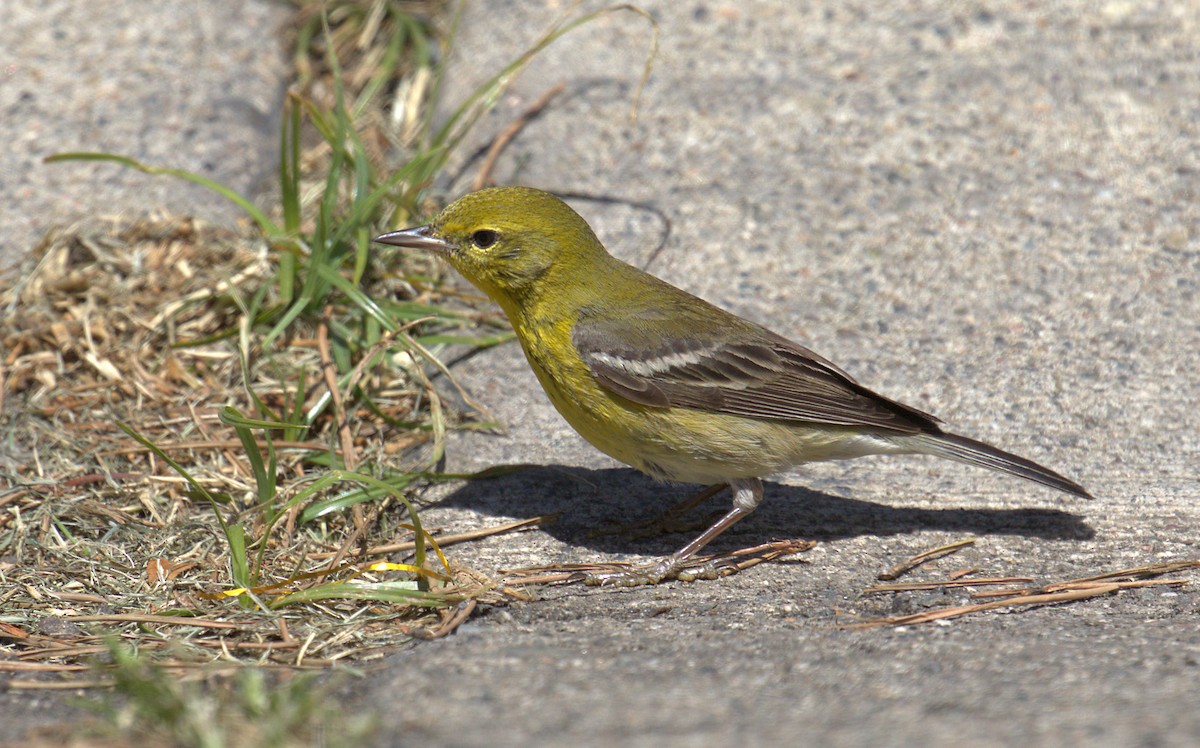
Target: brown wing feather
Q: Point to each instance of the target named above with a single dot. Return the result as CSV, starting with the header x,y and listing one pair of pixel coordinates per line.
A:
x,y
761,375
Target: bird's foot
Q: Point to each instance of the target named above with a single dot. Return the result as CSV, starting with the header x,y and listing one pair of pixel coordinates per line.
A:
x,y
689,570
714,568
746,495
634,576
693,568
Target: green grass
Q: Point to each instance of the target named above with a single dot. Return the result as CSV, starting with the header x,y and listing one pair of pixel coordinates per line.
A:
x,y
254,707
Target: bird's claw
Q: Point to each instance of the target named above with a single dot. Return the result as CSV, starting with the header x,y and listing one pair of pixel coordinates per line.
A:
x,y
635,576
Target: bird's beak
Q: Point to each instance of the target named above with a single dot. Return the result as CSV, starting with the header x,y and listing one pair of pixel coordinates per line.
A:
x,y
420,237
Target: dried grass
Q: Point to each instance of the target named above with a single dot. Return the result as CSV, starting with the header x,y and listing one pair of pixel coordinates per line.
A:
x,y
1016,592
98,537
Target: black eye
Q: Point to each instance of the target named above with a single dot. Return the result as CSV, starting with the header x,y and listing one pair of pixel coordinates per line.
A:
x,y
484,238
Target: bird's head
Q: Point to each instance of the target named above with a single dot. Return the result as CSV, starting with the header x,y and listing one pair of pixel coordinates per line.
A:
x,y
511,242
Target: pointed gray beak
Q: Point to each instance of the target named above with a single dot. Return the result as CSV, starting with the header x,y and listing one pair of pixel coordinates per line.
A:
x,y
420,237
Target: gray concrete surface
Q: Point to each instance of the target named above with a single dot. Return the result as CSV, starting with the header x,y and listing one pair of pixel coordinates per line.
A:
x,y
988,210
195,86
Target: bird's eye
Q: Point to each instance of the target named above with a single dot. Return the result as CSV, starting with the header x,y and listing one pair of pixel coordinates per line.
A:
x,y
484,238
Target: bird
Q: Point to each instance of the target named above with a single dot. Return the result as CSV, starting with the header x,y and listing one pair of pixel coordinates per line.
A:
x,y
666,382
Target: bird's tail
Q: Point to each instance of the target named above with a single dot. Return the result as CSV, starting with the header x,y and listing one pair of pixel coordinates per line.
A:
x,y
974,452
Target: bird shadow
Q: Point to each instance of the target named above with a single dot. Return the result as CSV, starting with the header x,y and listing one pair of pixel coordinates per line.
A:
x,y
591,500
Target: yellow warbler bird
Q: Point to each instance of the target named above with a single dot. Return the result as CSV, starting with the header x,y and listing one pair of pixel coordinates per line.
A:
x,y
664,381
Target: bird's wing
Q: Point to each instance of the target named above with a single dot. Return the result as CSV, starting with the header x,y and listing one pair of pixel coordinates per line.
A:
x,y
758,374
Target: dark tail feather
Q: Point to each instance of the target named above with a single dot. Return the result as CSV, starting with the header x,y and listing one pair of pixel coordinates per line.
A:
x,y
974,452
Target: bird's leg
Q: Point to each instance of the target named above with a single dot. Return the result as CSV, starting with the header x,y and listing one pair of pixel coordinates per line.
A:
x,y
747,493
